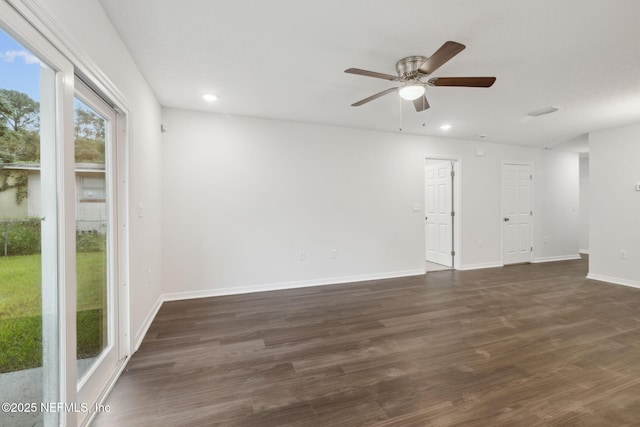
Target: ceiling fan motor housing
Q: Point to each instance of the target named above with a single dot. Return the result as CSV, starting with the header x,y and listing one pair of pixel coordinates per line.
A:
x,y
407,68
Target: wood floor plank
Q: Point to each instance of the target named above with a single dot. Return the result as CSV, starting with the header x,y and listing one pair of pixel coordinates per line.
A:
x,y
526,345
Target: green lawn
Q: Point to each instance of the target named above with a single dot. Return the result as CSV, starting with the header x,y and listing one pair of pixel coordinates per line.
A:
x,y
20,309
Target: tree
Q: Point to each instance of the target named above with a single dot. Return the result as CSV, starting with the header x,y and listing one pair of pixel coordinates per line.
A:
x,y
90,136
18,111
89,125
19,139
20,147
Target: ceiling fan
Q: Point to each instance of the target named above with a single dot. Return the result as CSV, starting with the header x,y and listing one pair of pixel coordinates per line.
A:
x,y
412,69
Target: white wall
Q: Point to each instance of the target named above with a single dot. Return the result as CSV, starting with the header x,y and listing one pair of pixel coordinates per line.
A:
x,y
243,197
614,164
585,203
557,205
84,24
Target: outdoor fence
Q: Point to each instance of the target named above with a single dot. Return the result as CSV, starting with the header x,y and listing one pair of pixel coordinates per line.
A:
x,y
22,236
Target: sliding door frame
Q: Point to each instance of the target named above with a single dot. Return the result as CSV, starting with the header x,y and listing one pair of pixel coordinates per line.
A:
x,y
31,26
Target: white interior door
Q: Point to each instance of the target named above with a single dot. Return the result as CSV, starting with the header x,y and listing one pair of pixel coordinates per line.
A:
x,y
438,208
517,213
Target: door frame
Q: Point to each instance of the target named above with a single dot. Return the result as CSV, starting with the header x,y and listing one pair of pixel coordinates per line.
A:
x,y
502,212
55,93
33,27
456,226
91,389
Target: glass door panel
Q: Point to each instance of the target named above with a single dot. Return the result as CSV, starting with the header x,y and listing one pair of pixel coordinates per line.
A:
x,y
93,334
29,339
97,305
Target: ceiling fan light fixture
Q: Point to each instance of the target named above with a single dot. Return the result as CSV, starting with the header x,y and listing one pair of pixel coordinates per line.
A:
x,y
411,92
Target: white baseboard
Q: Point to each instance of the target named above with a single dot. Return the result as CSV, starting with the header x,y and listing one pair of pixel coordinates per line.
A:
x,y
535,260
614,280
557,258
584,251
146,324
481,265
174,296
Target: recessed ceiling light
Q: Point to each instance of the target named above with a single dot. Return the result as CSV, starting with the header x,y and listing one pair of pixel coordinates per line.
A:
x,y
209,97
445,126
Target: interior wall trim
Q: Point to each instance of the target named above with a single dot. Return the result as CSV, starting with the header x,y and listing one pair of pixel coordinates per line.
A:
x,y
556,258
237,290
37,14
140,334
481,266
614,280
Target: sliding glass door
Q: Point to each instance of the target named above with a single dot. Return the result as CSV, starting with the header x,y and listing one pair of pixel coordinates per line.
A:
x,y
29,234
62,217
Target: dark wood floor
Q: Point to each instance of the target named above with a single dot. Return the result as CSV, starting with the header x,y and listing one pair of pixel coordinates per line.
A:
x,y
523,345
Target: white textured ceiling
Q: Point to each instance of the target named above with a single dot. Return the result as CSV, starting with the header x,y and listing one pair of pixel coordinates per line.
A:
x,y
284,59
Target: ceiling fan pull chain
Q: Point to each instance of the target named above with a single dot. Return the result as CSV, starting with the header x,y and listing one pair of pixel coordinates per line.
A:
x,y
400,116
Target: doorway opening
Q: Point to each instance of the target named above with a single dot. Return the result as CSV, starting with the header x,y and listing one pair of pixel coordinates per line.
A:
x,y
440,205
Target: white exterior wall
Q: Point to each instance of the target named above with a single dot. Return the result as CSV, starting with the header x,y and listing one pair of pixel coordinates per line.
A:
x,y
34,201
9,208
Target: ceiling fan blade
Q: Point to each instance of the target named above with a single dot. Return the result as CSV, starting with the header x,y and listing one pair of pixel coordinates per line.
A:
x,y
421,103
371,74
376,96
462,81
447,51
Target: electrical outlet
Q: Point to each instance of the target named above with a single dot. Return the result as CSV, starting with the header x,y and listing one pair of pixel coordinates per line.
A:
x,y
334,253
623,254
302,255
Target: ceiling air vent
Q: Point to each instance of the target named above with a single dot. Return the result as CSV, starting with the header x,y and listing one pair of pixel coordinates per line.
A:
x,y
543,111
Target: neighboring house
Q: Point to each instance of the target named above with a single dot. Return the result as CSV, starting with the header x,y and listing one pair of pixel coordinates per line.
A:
x,y
90,196
9,207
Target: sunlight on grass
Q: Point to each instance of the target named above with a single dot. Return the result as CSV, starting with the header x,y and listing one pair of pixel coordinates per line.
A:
x,y
20,309
20,294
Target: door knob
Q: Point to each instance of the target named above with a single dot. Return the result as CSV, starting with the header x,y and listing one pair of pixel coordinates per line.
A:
x,y
506,219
